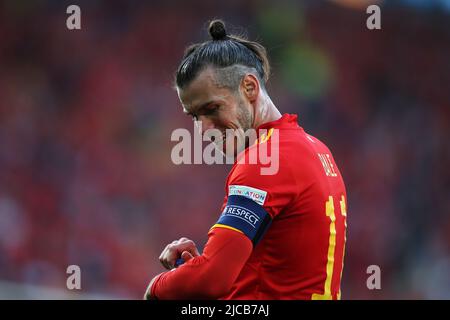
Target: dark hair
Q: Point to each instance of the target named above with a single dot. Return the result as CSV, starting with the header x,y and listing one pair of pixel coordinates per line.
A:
x,y
222,51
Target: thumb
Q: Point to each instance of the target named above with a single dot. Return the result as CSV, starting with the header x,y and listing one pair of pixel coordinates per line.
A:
x,y
186,256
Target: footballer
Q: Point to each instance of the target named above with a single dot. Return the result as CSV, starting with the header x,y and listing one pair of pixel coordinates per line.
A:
x,y
279,236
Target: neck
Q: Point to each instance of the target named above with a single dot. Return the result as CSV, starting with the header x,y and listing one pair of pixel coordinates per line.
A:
x,y
265,111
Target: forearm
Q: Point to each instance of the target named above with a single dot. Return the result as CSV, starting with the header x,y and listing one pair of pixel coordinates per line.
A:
x,y
210,275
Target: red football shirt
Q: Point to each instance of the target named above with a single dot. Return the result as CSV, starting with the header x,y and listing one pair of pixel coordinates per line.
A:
x,y
296,218
281,234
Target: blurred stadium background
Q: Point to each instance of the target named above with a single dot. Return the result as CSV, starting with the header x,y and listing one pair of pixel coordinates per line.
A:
x,y
86,117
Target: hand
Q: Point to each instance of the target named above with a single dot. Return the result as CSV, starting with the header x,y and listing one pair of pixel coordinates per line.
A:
x,y
183,248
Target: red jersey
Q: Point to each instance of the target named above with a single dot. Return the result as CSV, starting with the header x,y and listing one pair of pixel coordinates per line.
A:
x,y
281,234
300,255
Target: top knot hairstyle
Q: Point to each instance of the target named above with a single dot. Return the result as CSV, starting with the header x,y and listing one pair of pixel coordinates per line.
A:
x,y
217,30
223,51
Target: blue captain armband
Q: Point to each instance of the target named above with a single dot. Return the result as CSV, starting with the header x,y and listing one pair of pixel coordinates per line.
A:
x,y
246,216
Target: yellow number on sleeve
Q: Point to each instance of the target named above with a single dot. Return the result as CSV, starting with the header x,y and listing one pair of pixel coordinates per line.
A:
x,y
329,210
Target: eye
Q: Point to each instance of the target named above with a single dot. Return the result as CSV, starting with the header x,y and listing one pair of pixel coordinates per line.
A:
x,y
211,109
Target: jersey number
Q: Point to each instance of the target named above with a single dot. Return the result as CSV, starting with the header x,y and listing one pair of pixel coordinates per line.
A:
x,y
329,210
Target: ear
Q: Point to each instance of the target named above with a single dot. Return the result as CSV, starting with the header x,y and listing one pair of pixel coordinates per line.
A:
x,y
250,87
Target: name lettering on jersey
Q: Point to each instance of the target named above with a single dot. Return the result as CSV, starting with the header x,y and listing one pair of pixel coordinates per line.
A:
x,y
242,213
327,164
257,195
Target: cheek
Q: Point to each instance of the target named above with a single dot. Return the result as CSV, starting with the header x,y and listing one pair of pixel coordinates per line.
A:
x,y
227,119
232,116
244,117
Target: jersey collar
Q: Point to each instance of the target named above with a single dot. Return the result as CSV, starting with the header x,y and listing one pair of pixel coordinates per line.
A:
x,y
286,121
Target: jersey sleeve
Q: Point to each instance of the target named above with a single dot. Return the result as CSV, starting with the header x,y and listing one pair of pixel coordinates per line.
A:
x,y
209,276
254,200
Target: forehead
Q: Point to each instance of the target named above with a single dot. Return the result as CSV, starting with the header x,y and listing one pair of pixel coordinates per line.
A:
x,y
202,89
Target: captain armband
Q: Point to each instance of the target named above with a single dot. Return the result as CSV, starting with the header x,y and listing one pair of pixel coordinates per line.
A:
x,y
246,216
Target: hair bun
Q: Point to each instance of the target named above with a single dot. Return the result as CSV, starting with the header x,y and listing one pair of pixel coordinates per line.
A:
x,y
217,30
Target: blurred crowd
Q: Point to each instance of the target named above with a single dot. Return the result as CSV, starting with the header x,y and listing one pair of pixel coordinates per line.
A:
x,y
86,117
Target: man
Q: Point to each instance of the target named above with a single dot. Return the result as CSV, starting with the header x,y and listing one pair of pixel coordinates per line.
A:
x,y
280,236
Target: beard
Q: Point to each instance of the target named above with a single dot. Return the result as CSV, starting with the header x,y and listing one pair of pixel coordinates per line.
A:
x,y
238,140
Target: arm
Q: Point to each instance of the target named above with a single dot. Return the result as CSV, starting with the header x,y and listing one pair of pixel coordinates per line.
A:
x,y
210,275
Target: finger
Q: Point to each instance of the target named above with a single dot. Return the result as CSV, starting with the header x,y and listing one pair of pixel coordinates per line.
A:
x,y
192,248
195,252
163,257
170,257
186,256
174,252
162,253
189,245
